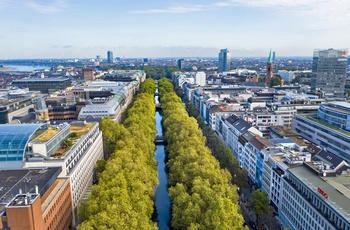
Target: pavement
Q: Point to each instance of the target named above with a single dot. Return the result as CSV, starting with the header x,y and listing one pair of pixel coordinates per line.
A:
x,y
269,223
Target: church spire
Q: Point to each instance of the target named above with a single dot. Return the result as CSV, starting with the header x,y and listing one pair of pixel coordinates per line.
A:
x,y
270,59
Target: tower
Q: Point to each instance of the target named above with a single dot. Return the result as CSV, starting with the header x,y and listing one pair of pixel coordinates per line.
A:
x,y
110,57
179,63
224,60
329,72
41,111
269,69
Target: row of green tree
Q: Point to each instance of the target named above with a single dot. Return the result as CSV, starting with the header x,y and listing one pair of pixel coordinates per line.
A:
x,y
124,196
202,197
220,150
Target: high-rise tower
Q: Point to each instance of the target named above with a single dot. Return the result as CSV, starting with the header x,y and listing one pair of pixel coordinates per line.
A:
x,y
269,69
110,57
329,72
224,60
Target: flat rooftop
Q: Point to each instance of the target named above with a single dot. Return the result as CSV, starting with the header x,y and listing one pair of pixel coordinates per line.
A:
x,y
24,80
337,188
314,119
80,129
11,181
285,131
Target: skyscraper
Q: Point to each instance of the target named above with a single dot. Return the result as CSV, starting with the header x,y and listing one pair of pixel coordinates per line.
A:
x,y
224,60
329,72
110,57
179,63
269,69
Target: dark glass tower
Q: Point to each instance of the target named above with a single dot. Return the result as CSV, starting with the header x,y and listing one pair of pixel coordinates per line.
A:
x,y
110,57
224,60
329,72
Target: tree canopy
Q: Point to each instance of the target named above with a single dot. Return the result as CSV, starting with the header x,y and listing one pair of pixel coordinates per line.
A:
x,y
259,203
202,197
124,196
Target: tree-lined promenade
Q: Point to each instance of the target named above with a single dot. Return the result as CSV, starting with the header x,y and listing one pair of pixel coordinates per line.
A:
x,y
202,197
124,196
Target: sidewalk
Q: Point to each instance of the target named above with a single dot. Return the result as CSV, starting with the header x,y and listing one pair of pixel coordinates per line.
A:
x,y
270,222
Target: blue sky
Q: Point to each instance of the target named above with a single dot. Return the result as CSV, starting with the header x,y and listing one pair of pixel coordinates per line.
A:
x,y
182,28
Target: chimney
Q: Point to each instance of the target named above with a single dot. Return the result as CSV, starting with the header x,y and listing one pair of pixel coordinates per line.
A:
x,y
36,190
20,191
26,200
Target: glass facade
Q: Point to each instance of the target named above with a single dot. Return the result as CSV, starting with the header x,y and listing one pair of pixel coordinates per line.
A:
x,y
14,139
224,60
329,72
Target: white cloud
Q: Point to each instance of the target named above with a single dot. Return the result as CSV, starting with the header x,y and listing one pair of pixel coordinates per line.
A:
x,y
53,8
327,9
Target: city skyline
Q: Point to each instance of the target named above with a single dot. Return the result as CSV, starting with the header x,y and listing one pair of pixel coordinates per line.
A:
x,y
65,29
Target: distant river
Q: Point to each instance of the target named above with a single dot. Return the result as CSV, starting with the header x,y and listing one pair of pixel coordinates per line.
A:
x,y
24,67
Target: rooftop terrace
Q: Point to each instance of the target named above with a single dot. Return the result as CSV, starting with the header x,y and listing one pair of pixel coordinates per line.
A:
x,y
314,119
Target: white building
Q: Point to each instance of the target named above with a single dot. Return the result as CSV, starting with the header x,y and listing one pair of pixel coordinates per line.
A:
x,y
51,149
200,78
337,141
288,76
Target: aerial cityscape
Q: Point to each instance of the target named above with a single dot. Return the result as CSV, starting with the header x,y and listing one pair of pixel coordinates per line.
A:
x,y
175,115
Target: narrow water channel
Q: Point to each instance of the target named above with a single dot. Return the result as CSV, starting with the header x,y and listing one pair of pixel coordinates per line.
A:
x,y
162,199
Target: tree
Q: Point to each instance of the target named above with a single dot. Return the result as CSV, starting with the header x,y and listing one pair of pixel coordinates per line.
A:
x,y
259,203
275,81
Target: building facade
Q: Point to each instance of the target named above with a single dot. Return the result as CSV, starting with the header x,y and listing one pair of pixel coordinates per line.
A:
x,y
329,72
44,85
110,57
224,60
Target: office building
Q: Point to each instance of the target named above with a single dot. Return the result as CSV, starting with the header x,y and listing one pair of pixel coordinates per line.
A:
x,y
336,114
180,63
44,85
75,148
35,199
224,60
329,72
335,140
110,57
200,78
88,74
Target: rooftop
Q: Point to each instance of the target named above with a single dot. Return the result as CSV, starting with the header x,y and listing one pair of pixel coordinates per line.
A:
x,y
326,125
11,181
284,130
47,135
335,187
24,80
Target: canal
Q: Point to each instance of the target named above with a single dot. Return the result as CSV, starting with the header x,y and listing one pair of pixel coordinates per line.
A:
x,y
162,199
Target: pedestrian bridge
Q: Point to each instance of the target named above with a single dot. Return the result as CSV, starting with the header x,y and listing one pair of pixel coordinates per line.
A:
x,y
160,140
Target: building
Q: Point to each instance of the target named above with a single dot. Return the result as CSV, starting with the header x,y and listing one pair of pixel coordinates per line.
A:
x,y
88,74
224,60
110,57
329,72
126,76
41,110
180,63
200,78
75,148
269,70
287,76
335,140
336,114
35,199
44,85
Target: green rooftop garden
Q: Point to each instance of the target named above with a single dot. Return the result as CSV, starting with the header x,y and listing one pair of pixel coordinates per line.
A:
x,y
327,125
